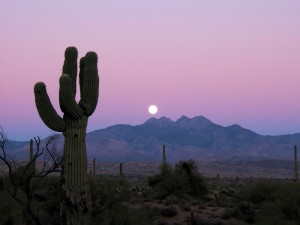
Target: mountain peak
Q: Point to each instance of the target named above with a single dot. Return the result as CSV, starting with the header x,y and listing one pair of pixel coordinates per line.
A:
x,y
183,118
196,122
159,122
183,121
237,128
201,119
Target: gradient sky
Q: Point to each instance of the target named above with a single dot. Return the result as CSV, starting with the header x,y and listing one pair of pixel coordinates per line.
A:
x,y
233,61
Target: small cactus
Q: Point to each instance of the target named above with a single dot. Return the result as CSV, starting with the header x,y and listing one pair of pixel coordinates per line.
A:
x,y
94,167
218,182
192,218
296,163
121,169
121,175
164,154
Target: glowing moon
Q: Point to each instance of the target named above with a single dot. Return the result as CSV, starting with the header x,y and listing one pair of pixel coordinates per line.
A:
x,y
152,109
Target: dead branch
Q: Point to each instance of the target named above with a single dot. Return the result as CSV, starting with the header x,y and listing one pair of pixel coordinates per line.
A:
x,y
22,188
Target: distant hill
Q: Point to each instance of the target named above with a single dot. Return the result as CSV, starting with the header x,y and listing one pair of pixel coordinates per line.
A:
x,y
187,138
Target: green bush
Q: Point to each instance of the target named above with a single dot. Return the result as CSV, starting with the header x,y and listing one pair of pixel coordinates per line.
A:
x,y
168,212
182,181
108,198
109,204
276,202
162,183
10,212
106,191
243,211
45,200
261,191
188,180
48,196
119,214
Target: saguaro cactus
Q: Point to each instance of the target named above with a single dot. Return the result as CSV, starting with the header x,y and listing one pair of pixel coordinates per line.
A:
x,y
94,167
76,199
121,169
296,163
121,176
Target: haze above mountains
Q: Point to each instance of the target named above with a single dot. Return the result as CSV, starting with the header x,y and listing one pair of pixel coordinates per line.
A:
x,y
186,138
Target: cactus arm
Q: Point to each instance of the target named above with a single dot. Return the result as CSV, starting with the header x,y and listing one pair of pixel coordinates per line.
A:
x,y
66,98
70,67
46,110
89,83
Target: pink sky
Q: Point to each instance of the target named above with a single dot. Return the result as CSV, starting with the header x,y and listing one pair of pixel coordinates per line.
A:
x,y
231,61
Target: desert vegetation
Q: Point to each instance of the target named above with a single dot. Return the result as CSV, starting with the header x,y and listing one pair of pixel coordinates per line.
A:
x,y
175,194
182,182
31,193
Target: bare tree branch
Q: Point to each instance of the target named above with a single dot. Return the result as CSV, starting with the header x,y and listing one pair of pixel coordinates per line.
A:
x,y
22,188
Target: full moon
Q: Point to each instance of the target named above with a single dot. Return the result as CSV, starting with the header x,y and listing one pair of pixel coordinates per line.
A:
x,y
152,109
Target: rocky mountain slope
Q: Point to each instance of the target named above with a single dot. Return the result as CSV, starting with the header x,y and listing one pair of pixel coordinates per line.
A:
x,y
187,138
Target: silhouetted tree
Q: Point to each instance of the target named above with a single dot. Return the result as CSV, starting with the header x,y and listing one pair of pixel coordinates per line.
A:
x,y
23,180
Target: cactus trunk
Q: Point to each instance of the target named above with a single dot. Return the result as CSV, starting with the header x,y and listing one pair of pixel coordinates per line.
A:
x,y
76,191
76,187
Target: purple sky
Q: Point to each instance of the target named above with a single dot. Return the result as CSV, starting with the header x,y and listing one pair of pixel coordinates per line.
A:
x,y
231,61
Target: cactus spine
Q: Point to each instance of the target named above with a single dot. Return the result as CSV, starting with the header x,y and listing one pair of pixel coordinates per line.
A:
x,y
76,199
164,154
296,163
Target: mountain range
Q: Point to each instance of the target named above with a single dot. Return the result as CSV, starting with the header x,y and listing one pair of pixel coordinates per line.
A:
x,y
186,138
